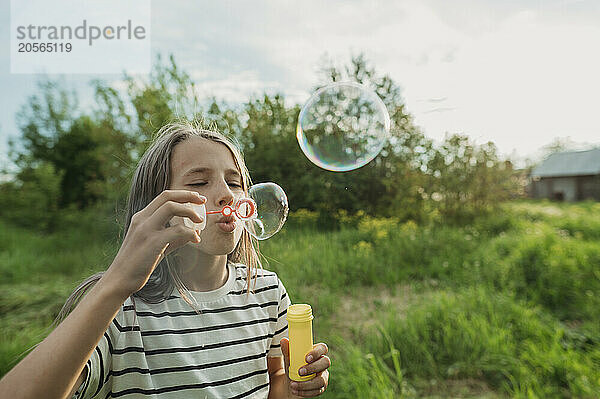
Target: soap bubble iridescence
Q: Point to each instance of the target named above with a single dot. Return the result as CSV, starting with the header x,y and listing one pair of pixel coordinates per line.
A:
x,y
343,126
271,210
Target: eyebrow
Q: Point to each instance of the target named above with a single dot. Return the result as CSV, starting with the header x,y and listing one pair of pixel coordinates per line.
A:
x,y
209,170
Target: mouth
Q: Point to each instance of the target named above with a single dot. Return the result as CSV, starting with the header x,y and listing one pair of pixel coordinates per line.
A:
x,y
227,227
226,219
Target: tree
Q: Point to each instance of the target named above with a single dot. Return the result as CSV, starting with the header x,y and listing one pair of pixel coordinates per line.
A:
x,y
390,184
169,93
468,179
93,153
84,151
31,200
386,186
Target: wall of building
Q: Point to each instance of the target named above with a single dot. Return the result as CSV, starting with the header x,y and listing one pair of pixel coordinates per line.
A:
x,y
564,188
589,188
574,188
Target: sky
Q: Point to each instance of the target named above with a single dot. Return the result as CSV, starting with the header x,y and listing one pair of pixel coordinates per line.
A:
x,y
517,73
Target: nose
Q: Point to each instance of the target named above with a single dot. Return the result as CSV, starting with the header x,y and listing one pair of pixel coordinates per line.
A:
x,y
224,196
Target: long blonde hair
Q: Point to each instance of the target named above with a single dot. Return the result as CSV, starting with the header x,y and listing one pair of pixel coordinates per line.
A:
x,y
151,177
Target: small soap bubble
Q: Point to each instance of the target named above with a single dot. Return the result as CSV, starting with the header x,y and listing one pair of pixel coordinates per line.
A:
x,y
343,126
271,210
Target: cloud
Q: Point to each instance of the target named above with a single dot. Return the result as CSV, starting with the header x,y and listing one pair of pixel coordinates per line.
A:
x,y
235,87
437,100
516,73
440,109
512,73
521,84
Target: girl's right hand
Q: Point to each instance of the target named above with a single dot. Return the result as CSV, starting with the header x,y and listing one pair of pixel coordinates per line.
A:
x,y
148,240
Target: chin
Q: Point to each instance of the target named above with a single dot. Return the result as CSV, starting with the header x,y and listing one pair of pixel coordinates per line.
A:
x,y
223,249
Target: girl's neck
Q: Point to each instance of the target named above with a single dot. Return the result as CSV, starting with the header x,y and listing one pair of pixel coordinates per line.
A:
x,y
201,272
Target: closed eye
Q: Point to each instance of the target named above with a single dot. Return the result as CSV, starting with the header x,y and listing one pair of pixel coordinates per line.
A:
x,y
204,184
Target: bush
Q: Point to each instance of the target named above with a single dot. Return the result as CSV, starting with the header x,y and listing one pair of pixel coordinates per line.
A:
x,y
546,266
476,334
360,375
32,201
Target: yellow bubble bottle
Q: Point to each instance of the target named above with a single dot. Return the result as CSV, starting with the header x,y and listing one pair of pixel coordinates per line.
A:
x,y
299,318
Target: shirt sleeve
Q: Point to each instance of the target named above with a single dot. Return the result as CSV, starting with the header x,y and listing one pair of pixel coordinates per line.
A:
x,y
99,365
281,327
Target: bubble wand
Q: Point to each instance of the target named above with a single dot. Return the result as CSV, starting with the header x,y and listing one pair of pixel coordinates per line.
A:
x,y
228,210
263,212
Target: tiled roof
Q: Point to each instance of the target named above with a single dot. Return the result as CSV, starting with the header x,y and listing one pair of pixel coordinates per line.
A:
x,y
578,163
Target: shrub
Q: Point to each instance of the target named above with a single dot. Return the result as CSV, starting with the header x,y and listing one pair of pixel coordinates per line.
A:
x,y
32,201
477,334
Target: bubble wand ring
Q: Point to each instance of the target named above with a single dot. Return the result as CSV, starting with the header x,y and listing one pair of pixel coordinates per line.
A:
x,y
228,210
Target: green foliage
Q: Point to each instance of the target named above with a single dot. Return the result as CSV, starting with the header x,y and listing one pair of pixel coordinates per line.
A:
x,y
91,154
82,241
479,334
272,154
410,179
32,201
518,307
376,251
468,180
169,93
544,263
369,375
506,306
95,151
83,152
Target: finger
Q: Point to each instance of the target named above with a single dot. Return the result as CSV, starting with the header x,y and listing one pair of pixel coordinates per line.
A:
x,y
181,196
178,236
285,350
318,350
314,383
318,365
169,209
308,394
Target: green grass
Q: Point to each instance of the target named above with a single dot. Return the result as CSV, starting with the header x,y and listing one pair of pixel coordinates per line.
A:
x,y
482,335
508,306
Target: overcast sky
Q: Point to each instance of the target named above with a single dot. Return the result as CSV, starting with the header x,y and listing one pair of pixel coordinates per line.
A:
x,y
518,73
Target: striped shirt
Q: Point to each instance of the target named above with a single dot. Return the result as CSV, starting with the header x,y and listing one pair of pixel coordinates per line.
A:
x,y
170,351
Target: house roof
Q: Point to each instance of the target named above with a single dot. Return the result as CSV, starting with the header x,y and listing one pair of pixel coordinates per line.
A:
x,y
577,163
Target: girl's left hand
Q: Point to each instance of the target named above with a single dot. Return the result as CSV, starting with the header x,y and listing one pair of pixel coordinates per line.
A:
x,y
317,363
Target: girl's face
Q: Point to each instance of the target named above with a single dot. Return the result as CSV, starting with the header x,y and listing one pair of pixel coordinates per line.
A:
x,y
208,167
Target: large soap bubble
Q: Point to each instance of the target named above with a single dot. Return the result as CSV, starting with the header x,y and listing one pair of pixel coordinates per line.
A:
x,y
271,210
343,126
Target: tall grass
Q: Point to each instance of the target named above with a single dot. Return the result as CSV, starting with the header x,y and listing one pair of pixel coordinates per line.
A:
x,y
516,304
507,306
474,333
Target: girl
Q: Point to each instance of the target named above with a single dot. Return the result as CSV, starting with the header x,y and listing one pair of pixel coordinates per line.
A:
x,y
174,315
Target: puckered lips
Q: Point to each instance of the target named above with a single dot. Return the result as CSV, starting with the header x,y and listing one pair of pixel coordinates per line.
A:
x,y
226,223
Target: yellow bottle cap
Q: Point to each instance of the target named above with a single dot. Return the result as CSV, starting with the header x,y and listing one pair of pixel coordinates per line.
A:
x,y
299,312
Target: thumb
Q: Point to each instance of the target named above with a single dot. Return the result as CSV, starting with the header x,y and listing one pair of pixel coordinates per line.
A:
x,y
285,350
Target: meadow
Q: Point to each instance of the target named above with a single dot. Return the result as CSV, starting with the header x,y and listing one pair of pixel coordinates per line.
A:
x,y
506,306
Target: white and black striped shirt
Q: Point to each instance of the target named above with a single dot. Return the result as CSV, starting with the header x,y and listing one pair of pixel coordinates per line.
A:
x,y
172,352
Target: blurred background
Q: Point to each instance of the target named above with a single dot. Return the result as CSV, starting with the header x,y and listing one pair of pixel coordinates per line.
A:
x,y
463,261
